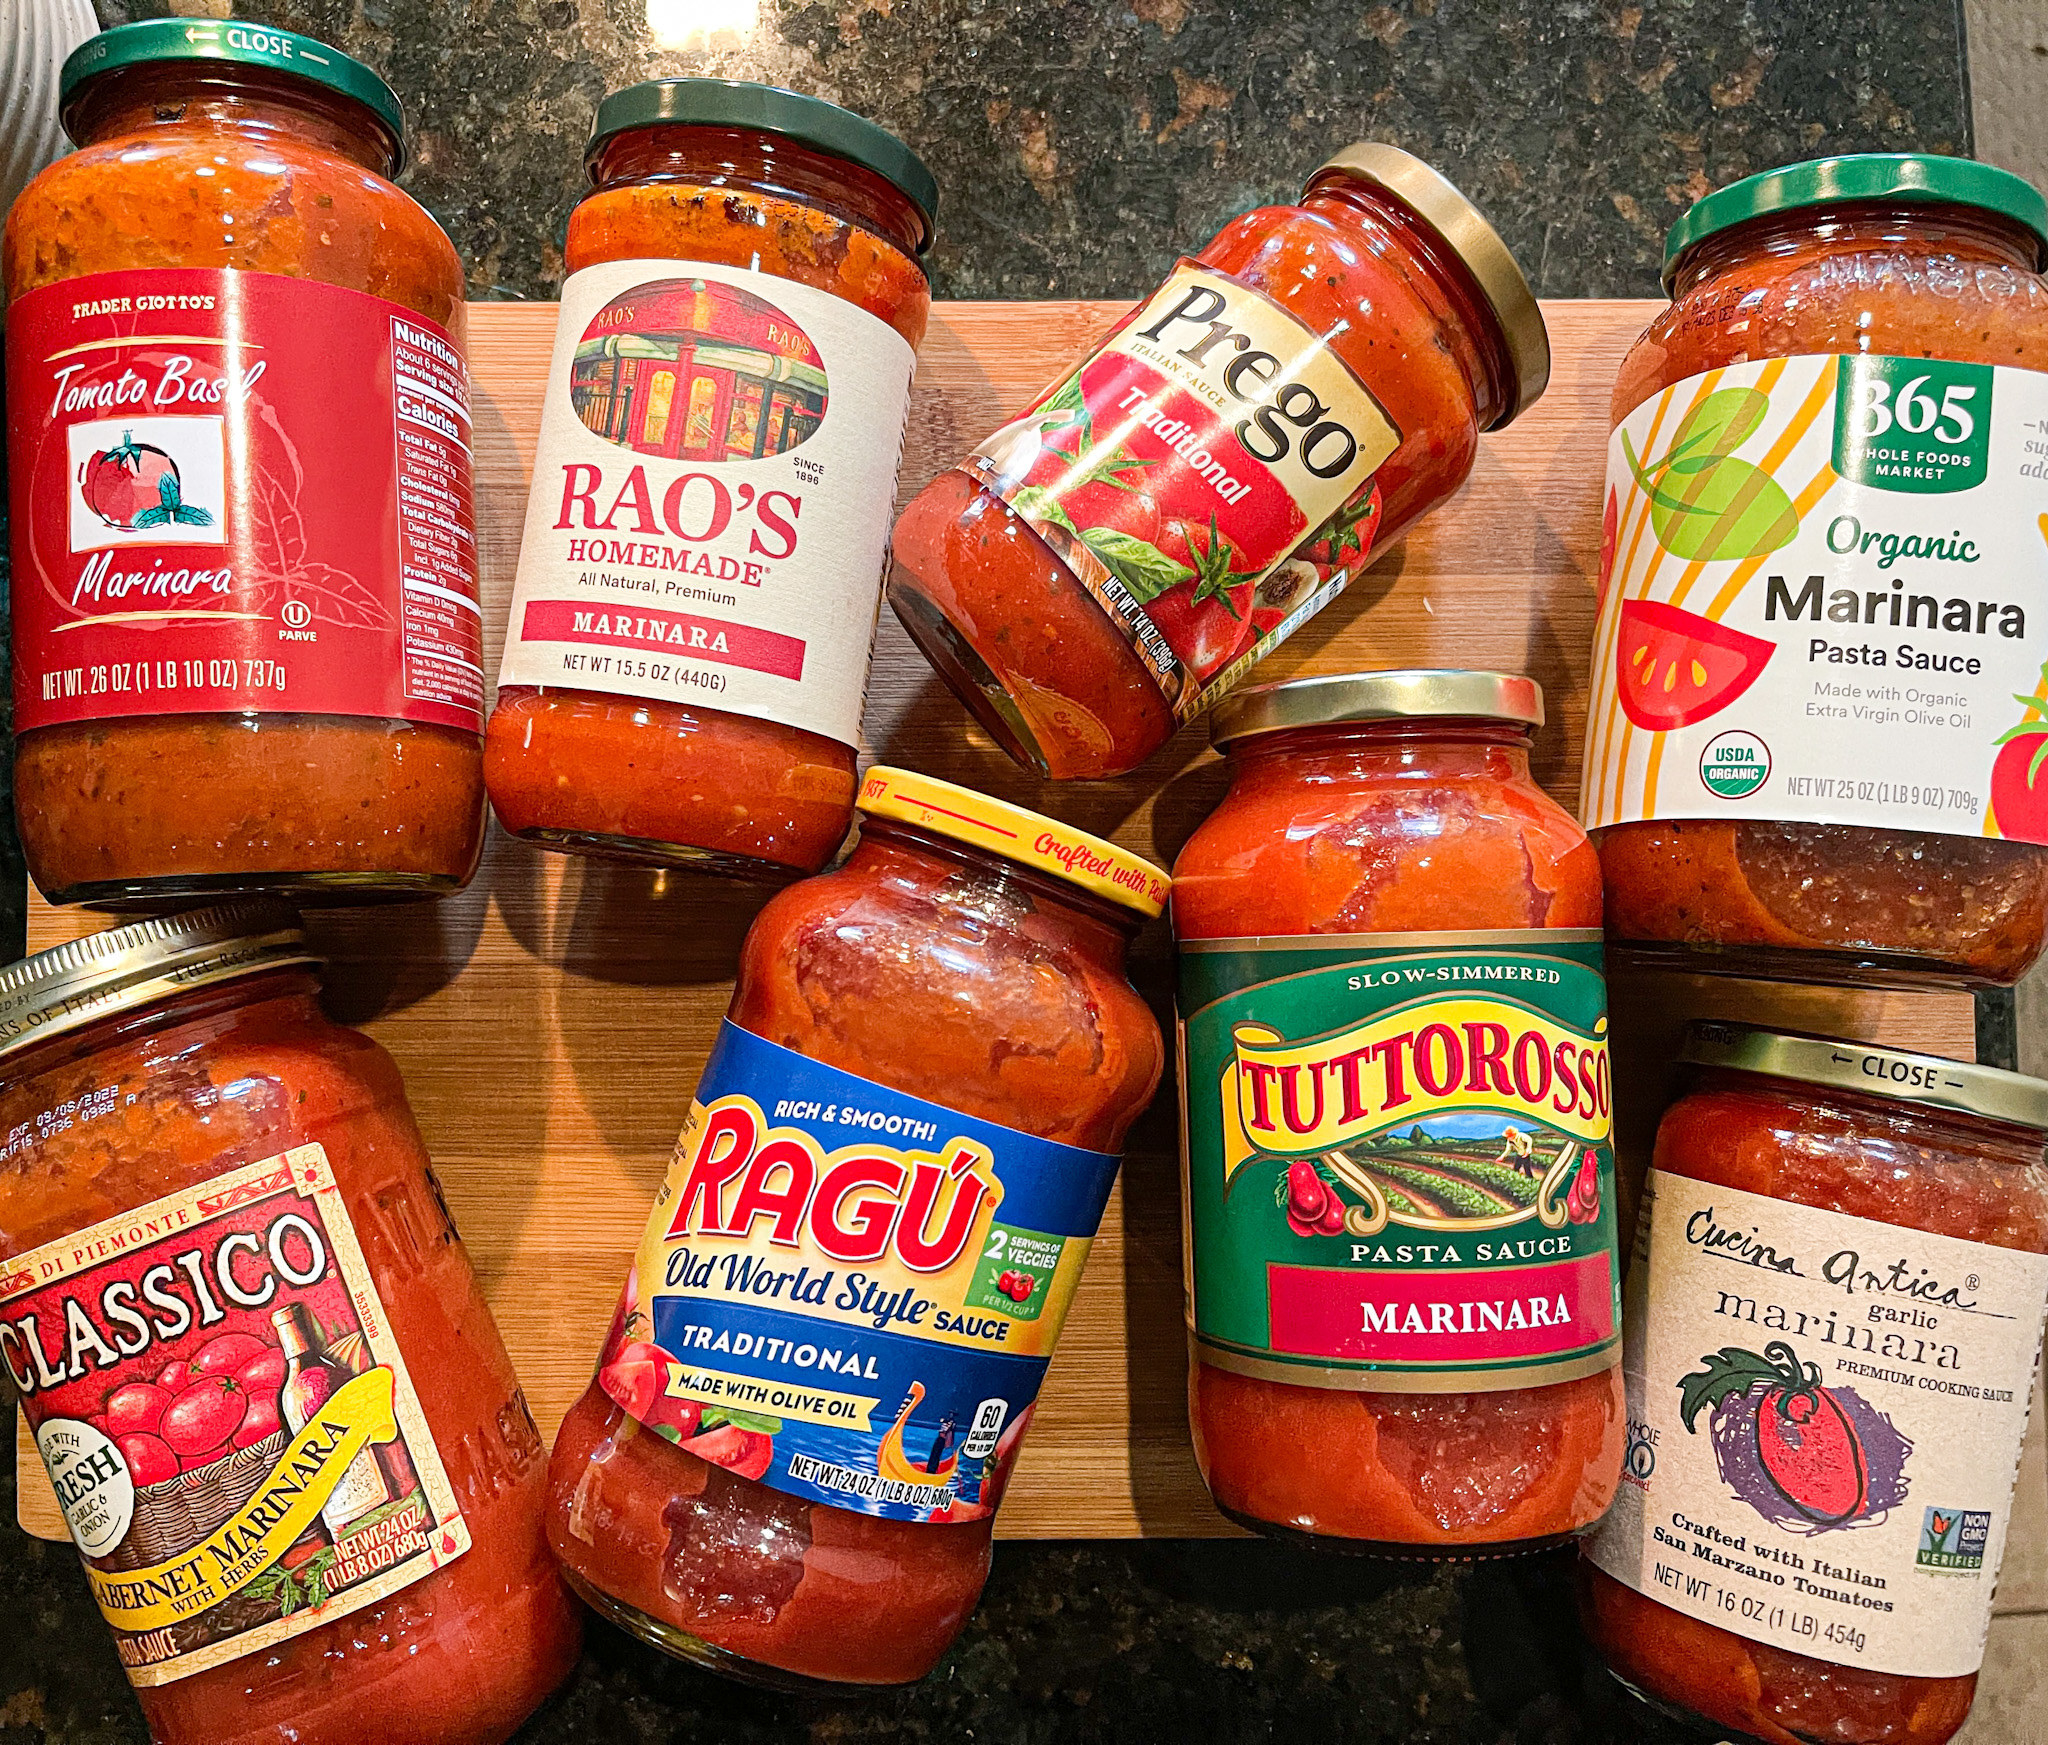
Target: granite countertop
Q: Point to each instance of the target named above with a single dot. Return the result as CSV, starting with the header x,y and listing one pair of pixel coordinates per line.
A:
x,y
1081,147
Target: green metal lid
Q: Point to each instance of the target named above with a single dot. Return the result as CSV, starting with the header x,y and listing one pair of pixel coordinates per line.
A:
x,y
242,44
1915,177
789,115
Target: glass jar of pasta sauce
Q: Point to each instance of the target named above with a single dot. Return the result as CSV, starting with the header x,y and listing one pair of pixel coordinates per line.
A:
x,y
1818,694
833,1335
271,1399
1105,566
1833,1316
1403,1294
246,637
701,567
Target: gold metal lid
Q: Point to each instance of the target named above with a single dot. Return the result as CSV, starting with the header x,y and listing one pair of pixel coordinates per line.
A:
x,y
1398,694
1468,235
1960,1085
126,968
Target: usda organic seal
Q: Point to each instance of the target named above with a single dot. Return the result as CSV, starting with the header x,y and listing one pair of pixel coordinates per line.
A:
x,y
1735,765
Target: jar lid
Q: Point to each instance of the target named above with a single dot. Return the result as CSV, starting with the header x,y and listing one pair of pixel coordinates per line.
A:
x,y
1467,234
245,44
1877,1072
789,115
1030,839
1915,177
126,968
1418,692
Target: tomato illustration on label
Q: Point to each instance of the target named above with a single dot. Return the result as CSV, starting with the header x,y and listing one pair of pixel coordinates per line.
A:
x,y
1675,667
2019,774
136,484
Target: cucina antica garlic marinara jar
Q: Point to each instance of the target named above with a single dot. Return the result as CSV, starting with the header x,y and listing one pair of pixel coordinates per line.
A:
x,y
1818,699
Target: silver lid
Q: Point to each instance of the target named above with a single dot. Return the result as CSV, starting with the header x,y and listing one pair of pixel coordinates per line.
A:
x,y
126,968
1443,692
1960,1085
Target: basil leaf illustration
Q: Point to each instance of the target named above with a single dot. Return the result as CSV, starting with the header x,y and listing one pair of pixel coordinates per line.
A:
x,y
1039,504
1719,424
1729,510
1141,566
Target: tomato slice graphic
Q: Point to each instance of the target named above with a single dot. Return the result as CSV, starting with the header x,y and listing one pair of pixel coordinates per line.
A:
x,y
1677,667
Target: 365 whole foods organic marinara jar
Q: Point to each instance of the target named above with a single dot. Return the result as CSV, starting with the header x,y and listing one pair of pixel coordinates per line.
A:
x,y
1818,691
704,542
835,1329
1104,567
246,636
1402,1279
1831,1341
272,1402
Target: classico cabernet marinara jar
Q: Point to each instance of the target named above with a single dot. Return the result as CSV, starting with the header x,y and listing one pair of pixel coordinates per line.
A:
x,y
1833,1317
246,635
1402,1275
836,1325
1105,566
1818,695
273,1404
702,561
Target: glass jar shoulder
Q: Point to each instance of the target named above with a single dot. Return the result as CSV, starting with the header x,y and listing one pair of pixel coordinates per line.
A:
x,y
169,197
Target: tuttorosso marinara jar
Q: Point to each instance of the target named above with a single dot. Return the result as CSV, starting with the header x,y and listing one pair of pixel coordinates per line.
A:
x,y
1403,1290
701,567
1216,471
837,1322
272,1401
246,635
1833,1316
1818,684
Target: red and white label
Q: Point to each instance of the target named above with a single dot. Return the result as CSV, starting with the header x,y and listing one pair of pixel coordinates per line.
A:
x,y
238,491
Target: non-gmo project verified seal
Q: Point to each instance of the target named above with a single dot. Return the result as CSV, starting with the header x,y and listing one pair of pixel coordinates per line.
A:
x,y
1954,1538
1735,765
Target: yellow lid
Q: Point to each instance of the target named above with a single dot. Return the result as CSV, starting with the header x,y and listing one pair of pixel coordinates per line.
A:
x,y
1029,838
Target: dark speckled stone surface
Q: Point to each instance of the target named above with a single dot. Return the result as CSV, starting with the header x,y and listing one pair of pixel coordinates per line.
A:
x,y
1081,146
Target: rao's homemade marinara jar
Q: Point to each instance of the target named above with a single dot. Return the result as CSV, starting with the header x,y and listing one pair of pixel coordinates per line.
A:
x,y
1104,567
284,1431
1403,1289
836,1325
1817,712
702,561
246,637
1834,1311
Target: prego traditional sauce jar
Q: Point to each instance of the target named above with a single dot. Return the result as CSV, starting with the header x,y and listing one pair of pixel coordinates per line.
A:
x,y
1818,690
702,560
272,1402
1834,1311
1403,1293
1104,567
837,1322
246,634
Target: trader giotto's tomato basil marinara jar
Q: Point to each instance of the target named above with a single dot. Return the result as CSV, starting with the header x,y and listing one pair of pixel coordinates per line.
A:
x,y
1101,569
1819,700
702,560
1402,1284
271,1399
1833,1316
246,635
836,1325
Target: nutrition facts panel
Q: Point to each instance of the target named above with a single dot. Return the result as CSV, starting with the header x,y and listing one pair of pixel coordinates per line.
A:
x,y
443,626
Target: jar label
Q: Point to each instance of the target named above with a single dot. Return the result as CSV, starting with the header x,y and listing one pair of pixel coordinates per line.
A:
x,y
1398,1170
1207,475
225,1494
711,494
1824,1425
238,492
1824,599
848,1293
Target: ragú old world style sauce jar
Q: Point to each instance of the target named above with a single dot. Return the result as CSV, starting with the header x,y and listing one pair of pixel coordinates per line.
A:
x,y
246,636
834,1333
1403,1291
1818,690
1833,1315
701,566
273,1404
1105,566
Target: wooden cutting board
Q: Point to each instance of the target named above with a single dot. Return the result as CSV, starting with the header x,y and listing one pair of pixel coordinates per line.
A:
x,y
552,1020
